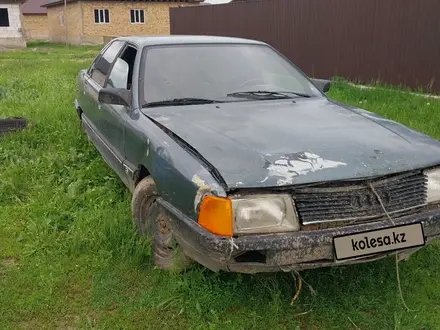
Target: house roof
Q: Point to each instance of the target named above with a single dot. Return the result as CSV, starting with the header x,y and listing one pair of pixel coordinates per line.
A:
x,y
33,7
9,1
61,2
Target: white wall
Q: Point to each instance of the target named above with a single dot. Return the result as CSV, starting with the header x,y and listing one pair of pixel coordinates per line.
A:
x,y
12,35
13,30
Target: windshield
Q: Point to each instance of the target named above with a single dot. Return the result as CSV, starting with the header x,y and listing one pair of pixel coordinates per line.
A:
x,y
218,72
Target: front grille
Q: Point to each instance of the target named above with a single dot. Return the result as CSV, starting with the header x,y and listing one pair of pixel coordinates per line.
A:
x,y
356,201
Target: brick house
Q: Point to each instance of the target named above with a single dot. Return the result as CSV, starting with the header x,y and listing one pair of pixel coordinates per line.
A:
x,y
10,24
96,22
34,19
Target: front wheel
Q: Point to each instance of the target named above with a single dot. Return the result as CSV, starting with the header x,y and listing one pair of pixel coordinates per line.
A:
x,y
151,221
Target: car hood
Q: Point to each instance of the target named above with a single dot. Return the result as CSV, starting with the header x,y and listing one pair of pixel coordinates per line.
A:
x,y
284,142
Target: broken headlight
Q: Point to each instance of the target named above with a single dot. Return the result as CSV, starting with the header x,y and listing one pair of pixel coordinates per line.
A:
x,y
433,176
261,214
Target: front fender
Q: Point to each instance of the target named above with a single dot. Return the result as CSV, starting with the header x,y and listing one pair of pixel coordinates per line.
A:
x,y
181,177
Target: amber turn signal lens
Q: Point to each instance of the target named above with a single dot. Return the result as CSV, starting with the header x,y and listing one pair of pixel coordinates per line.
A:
x,y
215,215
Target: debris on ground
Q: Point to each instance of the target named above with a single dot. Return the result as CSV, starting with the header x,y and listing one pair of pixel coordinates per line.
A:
x,y
42,49
12,124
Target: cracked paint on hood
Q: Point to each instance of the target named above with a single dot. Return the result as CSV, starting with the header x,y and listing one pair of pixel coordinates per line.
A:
x,y
289,166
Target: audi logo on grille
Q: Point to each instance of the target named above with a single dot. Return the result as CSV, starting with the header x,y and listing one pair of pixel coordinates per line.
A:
x,y
369,199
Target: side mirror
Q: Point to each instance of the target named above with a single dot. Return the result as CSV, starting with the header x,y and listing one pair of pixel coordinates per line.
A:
x,y
116,96
322,84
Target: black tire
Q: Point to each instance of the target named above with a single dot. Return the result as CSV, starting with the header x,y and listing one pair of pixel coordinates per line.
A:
x,y
81,124
79,113
151,221
12,124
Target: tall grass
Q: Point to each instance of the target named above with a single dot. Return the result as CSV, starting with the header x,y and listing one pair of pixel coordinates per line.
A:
x,y
69,256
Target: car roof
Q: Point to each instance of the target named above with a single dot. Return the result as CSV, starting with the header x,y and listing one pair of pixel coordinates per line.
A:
x,y
185,39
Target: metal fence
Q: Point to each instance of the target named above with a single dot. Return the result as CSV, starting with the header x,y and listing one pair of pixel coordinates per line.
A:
x,y
394,41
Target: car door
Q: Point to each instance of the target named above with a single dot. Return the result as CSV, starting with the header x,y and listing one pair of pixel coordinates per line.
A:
x,y
95,79
83,97
118,117
113,115
95,115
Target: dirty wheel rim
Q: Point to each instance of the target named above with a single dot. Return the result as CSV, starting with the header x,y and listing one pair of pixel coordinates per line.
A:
x,y
146,218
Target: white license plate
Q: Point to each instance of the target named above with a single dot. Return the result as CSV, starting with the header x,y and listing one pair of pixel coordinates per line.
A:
x,y
376,241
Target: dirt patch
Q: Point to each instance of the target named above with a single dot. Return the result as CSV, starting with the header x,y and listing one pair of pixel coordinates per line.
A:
x,y
68,322
42,50
8,263
434,96
31,324
80,60
3,49
26,59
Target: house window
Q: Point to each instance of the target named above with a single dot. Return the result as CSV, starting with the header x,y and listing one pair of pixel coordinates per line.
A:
x,y
137,16
4,17
102,16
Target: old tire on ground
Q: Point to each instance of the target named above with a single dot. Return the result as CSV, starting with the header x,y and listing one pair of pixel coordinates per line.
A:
x,y
12,124
151,221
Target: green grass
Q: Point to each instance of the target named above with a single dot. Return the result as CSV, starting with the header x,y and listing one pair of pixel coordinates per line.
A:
x,y
69,256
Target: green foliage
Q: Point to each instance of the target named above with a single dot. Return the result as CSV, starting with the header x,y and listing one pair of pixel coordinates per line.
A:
x,y
70,258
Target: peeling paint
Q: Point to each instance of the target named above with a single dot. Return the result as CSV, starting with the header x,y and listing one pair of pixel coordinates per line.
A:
x,y
199,197
239,183
201,192
162,118
198,181
292,165
264,180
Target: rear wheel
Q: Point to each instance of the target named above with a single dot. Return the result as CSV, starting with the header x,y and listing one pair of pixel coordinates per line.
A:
x,y
151,221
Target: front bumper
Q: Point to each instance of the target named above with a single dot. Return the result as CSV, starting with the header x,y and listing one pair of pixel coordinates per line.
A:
x,y
281,252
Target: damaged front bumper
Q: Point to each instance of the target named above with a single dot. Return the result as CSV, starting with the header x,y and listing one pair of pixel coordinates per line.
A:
x,y
283,252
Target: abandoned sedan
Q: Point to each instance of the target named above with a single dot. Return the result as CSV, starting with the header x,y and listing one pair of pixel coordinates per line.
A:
x,y
239,161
